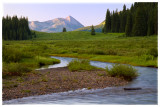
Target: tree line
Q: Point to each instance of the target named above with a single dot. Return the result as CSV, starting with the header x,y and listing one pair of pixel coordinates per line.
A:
x,y
140,20
14,28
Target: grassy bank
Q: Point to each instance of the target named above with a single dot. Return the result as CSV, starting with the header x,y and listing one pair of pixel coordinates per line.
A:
x,y
18,61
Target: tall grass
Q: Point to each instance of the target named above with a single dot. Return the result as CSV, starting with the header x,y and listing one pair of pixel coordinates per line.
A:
x,y
80,65
22,58
14,69
46,60
123,71
11,54
153,52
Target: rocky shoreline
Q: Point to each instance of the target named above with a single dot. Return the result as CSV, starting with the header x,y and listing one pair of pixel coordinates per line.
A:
x,y
56,80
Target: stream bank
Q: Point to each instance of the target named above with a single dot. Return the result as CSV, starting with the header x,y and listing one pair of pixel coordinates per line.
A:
x,y
55,80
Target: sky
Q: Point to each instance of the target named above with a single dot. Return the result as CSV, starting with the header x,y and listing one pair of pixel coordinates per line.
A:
x,y
86,13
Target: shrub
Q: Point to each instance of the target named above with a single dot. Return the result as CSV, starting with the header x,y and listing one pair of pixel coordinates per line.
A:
x,y
111,52
123,71
80,65
14,55
147,57
153,52
9,84
14,69
99,52
26,91
46,60
11,55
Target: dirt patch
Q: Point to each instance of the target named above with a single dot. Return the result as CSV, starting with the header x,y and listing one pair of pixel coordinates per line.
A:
x,y
56,80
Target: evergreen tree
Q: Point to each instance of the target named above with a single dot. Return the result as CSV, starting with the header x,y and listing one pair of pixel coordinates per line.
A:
x,y
155,18
103,30
15,29
117,19
64,29
113,23
92,31
128,29
139,28
123,17
140,20
150,29
107,26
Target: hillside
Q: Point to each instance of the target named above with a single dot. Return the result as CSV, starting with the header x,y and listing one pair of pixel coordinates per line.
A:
x,y
98,28
56,25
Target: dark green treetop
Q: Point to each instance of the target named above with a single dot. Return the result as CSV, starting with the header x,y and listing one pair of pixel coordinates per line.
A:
x,y
92,31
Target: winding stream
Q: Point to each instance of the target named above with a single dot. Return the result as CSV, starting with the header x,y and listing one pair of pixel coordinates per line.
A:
x,y
147,80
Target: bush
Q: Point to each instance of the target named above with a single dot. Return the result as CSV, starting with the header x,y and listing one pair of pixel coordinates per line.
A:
x,y
46,60
99,52
80,65
14,55
153,52
14,69
123,71
111,52
11,55
147,57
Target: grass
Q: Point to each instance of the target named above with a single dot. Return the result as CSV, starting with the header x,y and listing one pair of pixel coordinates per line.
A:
x,y
110,47
80,65
44,79
46,60
14,69
26,91
9,84
123,71
18,61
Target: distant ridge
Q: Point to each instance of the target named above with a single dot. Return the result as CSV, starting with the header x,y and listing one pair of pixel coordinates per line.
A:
x,y
56,25
98,28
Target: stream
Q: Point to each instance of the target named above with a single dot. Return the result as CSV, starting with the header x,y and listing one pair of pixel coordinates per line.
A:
x,y
147,80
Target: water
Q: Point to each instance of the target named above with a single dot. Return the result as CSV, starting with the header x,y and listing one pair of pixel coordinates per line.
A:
x,y
147,80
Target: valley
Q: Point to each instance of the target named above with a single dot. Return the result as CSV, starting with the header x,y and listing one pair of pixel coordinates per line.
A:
x,y
61,61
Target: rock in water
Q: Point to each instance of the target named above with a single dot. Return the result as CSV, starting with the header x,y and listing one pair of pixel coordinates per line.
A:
x,y
137,88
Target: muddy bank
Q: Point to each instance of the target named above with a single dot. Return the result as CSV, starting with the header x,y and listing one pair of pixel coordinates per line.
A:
x,y
56,80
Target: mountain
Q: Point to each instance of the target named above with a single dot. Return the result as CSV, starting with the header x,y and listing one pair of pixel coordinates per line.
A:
x,y
98,28
56,25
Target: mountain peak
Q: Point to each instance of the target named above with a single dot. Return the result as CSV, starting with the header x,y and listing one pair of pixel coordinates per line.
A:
x,y
56,25
69,18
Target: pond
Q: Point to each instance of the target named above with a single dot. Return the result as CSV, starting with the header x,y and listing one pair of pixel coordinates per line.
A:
x,y
147,80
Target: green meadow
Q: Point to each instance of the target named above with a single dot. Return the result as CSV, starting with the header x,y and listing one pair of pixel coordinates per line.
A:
x,y
110,47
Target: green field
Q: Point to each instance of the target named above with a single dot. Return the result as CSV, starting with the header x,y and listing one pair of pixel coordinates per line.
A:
x,y
110,47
